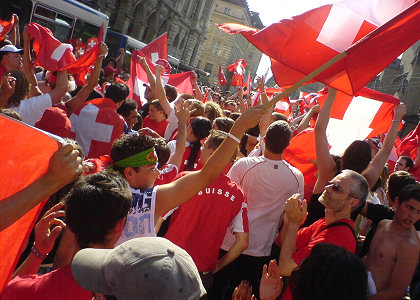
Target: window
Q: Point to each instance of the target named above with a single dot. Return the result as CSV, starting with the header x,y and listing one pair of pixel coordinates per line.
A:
x,y
59,24
208,68
227,10
215,49
85,30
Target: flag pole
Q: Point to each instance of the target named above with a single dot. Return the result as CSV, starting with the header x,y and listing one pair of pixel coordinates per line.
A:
x,y
305,79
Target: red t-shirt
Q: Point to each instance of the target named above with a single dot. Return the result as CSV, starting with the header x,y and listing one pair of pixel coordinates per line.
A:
x,y
159,127
314,234
197,165
167,175
58,284
199,225
2,71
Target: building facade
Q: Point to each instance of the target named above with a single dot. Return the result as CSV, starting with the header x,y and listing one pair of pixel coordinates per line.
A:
x,y
402,79
225,49
185,21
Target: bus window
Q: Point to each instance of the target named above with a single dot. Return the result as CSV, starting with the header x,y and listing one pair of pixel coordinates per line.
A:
x,y
59,24
84,30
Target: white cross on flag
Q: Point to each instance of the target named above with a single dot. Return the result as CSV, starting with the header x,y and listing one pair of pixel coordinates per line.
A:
x,y
238,69
182,81
91,42
95,126
360,117
50,52
373,33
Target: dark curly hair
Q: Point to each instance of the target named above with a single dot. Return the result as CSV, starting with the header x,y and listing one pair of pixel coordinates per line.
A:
x,y
128,145
356,157
95,204
329,273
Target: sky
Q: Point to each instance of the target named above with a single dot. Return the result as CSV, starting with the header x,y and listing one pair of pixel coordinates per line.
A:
x,y
272,11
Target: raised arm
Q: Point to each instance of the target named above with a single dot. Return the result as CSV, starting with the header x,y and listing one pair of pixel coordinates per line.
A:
x,y
374,169
27,66
296,214
60,89
241,100
7,88
14,34
85,91
326,166
266,118
120,59
160,91
149,73
64,166
197,92
45,237
305,123
189,185
183,114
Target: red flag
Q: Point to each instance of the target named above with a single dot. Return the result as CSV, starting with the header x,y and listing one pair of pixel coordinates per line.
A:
x,y
50,52
182,81
95,126
222,78
325,31
5,27
299,154
238,70
81,67
367,114
92,42
26,164
157,49
408,146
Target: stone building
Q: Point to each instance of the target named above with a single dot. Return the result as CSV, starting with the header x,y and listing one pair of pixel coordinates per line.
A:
x,y
185,21
225,49
402,79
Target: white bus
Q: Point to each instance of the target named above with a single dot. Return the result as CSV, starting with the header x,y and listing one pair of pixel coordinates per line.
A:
x,y
68,20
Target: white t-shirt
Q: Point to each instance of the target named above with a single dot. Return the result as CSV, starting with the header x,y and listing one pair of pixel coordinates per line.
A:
x,y
267,184
172,125
32,109
141,216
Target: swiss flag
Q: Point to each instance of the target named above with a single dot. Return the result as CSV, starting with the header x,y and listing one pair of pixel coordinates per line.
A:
x,y
282,106
50,52
182,81
92,42
95,126
359,117
79,68
238,69
328,30
221,76
157,49
367,114
5,27
25,164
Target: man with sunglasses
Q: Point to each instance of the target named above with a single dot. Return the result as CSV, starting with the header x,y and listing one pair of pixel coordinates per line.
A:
x,y
344,194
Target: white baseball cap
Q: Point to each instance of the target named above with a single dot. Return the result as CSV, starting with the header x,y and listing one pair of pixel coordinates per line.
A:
x,y
11,48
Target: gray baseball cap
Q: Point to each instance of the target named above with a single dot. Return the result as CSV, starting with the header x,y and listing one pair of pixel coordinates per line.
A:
x,y
142,268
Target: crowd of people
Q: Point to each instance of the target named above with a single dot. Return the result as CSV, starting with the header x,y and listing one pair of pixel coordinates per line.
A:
x,y
189,196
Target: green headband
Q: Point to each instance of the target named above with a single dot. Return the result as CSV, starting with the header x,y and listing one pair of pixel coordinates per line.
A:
x,y
144,158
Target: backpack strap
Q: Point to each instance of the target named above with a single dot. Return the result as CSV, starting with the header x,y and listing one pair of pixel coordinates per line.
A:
x,y
341,224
